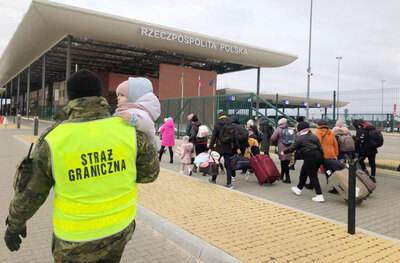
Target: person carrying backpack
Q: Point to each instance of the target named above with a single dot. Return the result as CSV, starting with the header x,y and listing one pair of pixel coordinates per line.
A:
x,y
277,139
367,140
241,133
226,143
266,130
345,142
200,143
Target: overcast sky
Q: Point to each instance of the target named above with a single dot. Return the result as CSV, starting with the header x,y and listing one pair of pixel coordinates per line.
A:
x,y
364,32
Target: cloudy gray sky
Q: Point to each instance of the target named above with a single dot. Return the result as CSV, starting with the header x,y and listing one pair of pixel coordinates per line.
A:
x,y
363,32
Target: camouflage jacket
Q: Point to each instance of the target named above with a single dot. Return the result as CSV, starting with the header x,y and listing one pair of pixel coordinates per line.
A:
x,y
32,183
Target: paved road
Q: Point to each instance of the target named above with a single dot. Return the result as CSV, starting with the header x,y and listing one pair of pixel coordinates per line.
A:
x,y
147,245
380,213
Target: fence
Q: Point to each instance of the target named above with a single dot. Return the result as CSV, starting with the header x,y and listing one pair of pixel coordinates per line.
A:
x,y
374,106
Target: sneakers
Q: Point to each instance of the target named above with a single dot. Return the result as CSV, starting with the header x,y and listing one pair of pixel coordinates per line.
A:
x,y
287,180
296,190
190,172
211,181
291,167
230,186
246,175
181,172
234,178
194,168
318,199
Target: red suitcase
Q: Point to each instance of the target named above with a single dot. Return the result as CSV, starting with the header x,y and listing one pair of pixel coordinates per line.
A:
x,y
264,168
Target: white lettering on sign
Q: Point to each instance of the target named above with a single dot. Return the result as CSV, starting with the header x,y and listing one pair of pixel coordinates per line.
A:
x,y
188,40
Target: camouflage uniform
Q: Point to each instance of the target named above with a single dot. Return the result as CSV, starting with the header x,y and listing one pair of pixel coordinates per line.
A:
x,y
33,182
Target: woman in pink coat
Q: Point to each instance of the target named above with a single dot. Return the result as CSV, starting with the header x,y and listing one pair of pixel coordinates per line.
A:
x,y
168,138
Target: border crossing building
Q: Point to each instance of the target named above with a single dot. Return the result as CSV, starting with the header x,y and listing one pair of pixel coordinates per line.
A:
x,y
53,40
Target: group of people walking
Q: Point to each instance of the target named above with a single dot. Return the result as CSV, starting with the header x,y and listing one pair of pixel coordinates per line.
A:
x,y
230,138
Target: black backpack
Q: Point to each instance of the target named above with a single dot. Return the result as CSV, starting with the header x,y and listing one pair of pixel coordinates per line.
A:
x,y
227,134
375,138
242,134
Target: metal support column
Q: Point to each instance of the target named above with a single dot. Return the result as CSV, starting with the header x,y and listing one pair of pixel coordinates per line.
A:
x,y
18,87
11,98
68,66
326,113
309,66
43,83
276,110
334,107
298,111
1,103
258,91
28,90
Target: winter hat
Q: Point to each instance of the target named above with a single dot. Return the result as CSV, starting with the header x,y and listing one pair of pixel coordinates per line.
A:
x,y
322,122
221,113
250,123
302,125
185,139
339,123
134,88
300,119
282,121
83,83
194,118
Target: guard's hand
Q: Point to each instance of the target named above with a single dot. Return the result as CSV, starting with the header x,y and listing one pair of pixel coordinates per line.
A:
x,y
12,239
126,116
238,151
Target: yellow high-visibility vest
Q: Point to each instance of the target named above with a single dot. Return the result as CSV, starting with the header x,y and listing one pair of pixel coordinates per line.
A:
x,y
95,178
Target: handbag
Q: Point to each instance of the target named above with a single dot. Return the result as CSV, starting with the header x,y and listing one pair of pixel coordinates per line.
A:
x,y
239,162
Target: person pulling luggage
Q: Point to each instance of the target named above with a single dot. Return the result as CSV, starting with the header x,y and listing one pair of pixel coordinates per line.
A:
x,y
311,151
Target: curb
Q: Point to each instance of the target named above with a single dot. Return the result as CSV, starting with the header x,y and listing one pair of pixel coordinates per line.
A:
x,y
183,238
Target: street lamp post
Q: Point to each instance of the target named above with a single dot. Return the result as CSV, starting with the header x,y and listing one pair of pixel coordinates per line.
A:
x,y
309,65
383,81
337,98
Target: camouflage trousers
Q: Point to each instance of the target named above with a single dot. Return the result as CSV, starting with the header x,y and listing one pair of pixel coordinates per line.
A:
x,y
108,249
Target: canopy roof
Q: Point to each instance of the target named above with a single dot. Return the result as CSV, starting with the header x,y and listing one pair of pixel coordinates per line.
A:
x,y
111,43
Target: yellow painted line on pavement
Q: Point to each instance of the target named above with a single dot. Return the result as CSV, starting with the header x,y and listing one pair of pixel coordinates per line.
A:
x,y
254,230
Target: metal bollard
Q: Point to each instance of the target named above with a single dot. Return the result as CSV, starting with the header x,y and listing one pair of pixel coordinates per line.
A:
x,y
35,125
351,200
18,121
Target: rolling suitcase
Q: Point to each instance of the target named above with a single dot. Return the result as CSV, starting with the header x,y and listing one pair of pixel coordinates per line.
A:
x,y
340,180
366,180
264,168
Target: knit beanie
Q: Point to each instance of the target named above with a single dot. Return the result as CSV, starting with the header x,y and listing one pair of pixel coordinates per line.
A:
x,y
221,113
282,121
134,88
83,83
322,122
302,125
194,118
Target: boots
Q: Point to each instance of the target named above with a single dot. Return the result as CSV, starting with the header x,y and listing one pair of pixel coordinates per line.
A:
x,y
281,177
287,180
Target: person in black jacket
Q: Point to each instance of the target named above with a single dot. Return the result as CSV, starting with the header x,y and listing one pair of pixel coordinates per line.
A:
x,y
311,151
364,148
226,150
243,142
189,124
266,130
200,144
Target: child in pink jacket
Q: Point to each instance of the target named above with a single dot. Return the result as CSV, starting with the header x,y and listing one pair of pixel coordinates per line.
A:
x,y
184,153
168,137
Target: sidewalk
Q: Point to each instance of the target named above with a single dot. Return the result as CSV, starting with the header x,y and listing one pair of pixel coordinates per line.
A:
x,y
251,228
146,246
